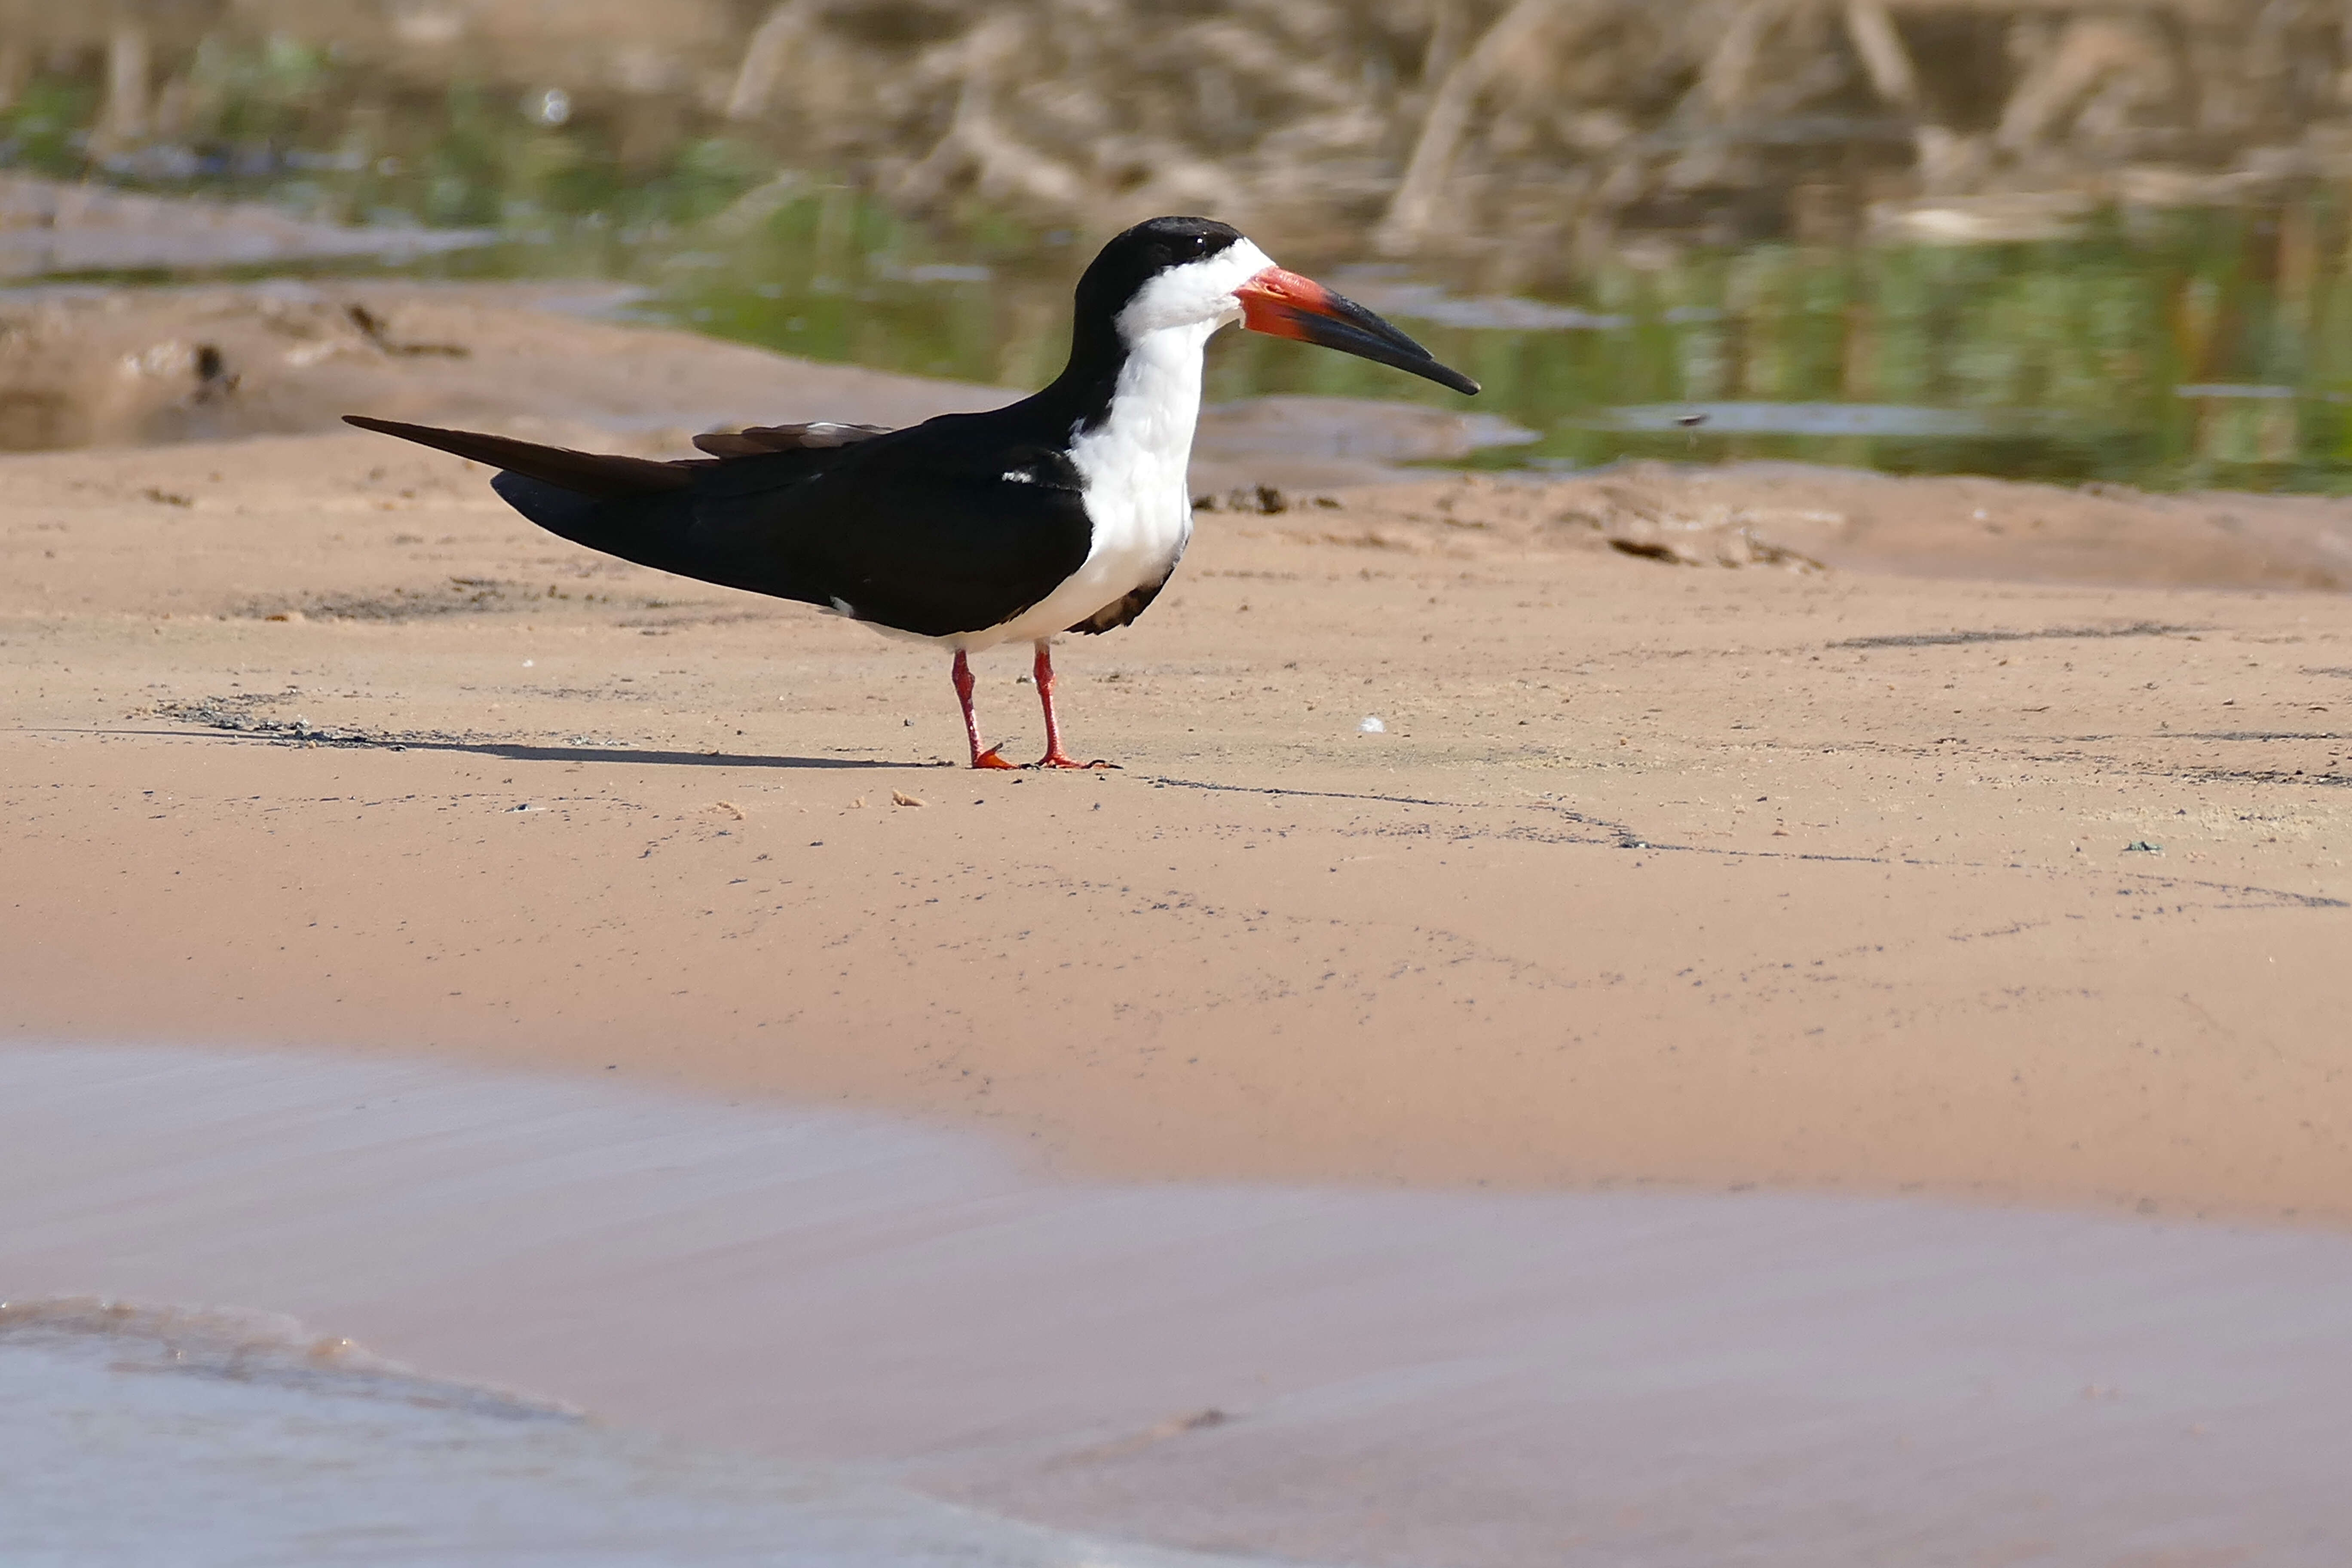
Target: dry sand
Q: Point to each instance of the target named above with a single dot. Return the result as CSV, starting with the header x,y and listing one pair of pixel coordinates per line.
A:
x,y
1657,874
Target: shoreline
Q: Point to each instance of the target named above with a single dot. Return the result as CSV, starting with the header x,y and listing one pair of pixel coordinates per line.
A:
x,y
1372,1378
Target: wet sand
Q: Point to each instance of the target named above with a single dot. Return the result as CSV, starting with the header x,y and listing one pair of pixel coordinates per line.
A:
x,y
1309,1373
90,366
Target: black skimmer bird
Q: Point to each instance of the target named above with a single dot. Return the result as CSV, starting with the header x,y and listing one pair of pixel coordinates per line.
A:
x,y
1066,511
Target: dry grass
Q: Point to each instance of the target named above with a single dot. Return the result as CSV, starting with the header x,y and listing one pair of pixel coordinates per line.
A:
x,y
1532,129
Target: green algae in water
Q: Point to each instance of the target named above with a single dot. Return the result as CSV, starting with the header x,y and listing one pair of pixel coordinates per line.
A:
x,y
2162,349
2169,351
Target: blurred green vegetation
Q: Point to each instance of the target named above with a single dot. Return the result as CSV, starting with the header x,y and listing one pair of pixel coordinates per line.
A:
x,y
2067,356
2063,359
46,129
294,124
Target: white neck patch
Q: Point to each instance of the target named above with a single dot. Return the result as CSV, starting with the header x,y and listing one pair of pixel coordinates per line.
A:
x,y
1133,459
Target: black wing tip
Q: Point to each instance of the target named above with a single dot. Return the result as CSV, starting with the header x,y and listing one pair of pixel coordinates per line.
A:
x,y
406,432
600,475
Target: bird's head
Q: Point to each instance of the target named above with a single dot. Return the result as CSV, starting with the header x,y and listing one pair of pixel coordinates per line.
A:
x,y
1174,273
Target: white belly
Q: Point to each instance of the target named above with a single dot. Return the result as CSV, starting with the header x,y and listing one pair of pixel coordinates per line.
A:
x,y
1137,541
1135,465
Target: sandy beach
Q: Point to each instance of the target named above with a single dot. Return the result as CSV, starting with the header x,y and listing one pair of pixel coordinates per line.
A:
x,y
1787,868
1674,964
1755,1012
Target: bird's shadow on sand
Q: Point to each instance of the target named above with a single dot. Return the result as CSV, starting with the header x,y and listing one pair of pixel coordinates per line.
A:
x,y
524,751
518,752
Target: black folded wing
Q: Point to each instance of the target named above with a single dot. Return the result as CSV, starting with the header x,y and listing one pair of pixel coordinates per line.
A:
x,y
945,527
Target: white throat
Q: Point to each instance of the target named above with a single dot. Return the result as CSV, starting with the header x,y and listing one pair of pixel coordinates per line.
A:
x,y
1147,436
1154,405
1134,465
1134,461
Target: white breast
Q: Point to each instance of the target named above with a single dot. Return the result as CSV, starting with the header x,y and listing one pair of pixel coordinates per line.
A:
x,y
1134,465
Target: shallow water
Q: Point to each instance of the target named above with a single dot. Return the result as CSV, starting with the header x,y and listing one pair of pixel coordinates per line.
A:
x,y
781,1318
2203,347
137,1437
2168,351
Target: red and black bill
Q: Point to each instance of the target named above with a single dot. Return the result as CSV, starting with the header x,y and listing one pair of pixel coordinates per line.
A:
x,y
1285,305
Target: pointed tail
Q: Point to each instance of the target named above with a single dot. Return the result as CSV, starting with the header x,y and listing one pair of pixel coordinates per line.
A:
x,y
596,475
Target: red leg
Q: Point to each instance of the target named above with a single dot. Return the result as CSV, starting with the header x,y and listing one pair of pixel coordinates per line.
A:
x,y
962,677
1054,757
